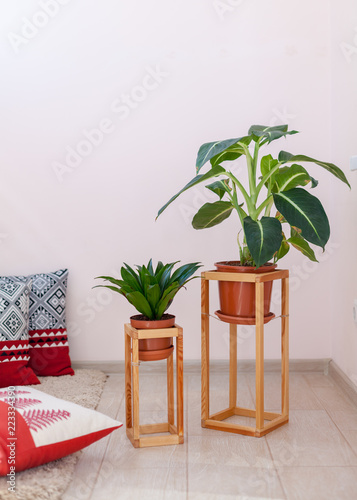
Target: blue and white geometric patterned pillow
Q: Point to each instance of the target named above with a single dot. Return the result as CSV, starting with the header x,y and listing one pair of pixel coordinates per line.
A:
x,y
14,334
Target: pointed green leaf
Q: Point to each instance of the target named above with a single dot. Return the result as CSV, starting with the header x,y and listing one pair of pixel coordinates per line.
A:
x,y
164,273
166,276
140,303
211,149
220,188
267,163
167,298
130,278
303,210
213,172
302,245
211,214
290,177
150,268
119,283
283,250
314,182
118,290
286,157
270,133
159,266
229,154
182,273
263,238
153,296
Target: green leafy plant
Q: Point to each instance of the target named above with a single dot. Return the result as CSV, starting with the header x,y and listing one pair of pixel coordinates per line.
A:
x,y
279,182
150,290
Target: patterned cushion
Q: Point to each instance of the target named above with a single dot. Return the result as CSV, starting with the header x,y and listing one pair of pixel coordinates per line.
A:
x,y
49,352
45,428
14,337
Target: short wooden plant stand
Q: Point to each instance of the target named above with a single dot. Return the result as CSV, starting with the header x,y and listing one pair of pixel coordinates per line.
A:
x,y
275,420
138,433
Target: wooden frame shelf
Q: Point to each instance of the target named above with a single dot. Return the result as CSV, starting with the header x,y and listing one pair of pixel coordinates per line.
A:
x,y
216,421
138,433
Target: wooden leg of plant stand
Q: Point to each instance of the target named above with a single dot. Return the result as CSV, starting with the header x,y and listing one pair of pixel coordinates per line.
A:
x,y
232,366
204,350
128,408
259,356
179,382
170,391
135,363
285,346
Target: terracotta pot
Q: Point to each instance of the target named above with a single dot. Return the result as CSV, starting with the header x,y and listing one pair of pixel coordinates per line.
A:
x,y
154,349
237,299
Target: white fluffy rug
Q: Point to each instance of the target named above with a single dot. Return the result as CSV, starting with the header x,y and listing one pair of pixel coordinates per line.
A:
x,y
48,482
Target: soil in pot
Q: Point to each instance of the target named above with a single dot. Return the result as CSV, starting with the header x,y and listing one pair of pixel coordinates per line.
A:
x,y
237,299
153,349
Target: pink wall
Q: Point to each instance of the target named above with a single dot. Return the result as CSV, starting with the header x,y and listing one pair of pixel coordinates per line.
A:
x,y
135,88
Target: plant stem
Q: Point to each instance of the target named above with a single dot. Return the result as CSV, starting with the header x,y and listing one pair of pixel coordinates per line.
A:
x,y
250,205
268,207
266,177
250,166
268,202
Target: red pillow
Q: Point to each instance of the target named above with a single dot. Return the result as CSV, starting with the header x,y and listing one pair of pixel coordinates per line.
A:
x,y
36,428
14,338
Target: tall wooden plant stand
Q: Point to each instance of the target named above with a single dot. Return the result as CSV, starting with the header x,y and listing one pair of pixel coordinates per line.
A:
x,y
275,420
138,433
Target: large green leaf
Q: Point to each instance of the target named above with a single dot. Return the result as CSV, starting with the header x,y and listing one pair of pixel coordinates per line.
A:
x,y
184,272
211,214
130,277
153,297
286,157
283,250
167,298
125,287
118,290
213,172
140,303
263,237
303,210
163,272
220,188
302,245
211,149
267,163
229,154
270,133
290,177
165,278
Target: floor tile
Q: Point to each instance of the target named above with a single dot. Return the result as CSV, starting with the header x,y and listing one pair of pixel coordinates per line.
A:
x,y
214,481
310,439
345,420
315,483
332,398
149,484
318,380
301,396
230,449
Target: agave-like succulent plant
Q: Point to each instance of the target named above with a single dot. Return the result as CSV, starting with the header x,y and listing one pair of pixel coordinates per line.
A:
x,y
151,291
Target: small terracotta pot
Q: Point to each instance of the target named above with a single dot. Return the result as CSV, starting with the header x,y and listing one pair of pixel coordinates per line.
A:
x,y
237,299
154,349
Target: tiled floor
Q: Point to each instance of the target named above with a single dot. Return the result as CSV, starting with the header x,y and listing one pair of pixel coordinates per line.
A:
x,y
313,457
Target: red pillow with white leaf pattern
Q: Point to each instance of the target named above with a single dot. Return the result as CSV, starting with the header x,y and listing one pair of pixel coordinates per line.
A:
x,y
36,428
